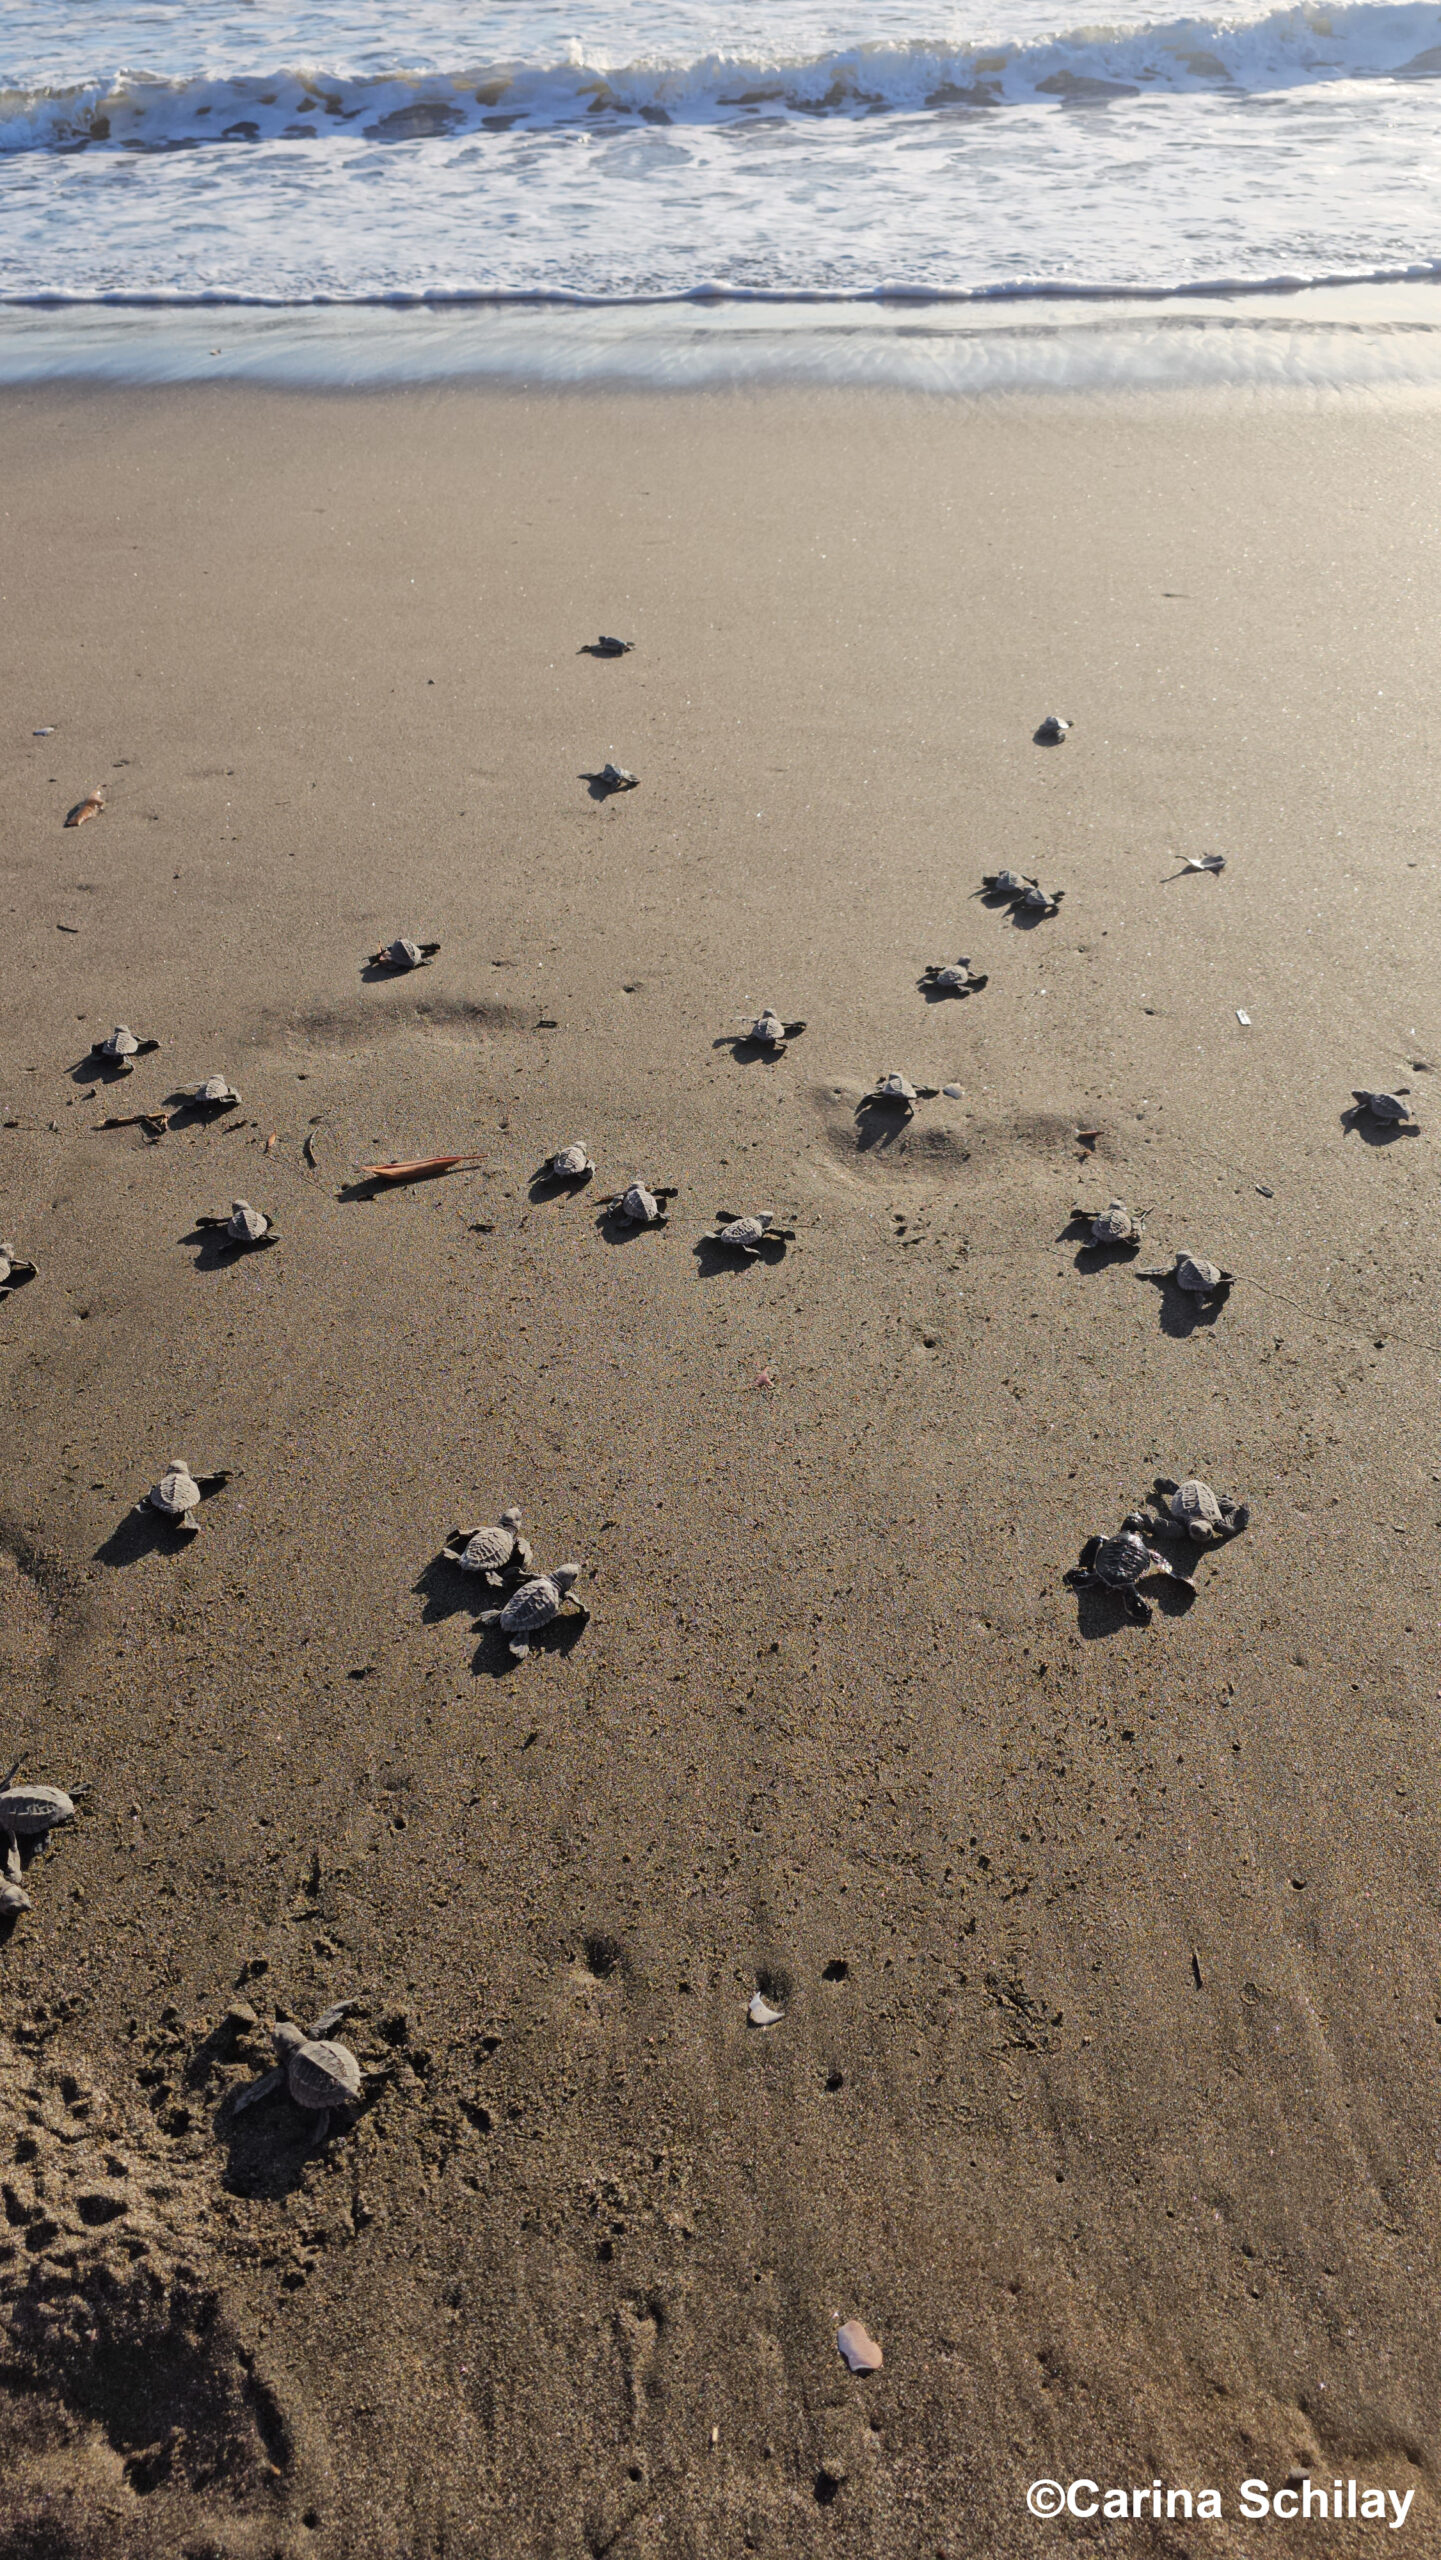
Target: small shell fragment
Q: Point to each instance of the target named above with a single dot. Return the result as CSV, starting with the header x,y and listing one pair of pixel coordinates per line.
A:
x,y
760,2012
955,1091
859,2348
1243,1016
89,807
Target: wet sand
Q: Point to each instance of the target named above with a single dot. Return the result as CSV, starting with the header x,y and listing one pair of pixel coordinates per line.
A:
x,y
1105,2093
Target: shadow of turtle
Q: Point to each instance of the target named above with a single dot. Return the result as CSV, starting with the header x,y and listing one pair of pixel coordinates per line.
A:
x,y
948,995
613,1229
21,1275
268,2147
880,1124
93,1069
1376,1133
1181,1313
184,1112
143,1532
601,787
545,1185
450,1592
747,1052
1047,735
715,1260
1101,1613
493,1655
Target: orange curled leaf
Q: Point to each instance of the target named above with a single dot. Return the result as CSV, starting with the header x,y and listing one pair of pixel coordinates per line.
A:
x,y
89,807
416,1168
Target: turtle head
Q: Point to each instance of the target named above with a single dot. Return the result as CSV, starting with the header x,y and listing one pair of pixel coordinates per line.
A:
x,y
288,2039
564,1576
510,1519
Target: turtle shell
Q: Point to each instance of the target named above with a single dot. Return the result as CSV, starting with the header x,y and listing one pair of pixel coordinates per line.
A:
x,y
1115,1225
1196,1274
568,1160
1011,884
1195,1501
533,1605
323,2074
488,1550
745,1230
216,1089
639,1205
403,953
27,1811
122,1043
247,1225
1123,1560
895,1088
7,1262
1387,1106
177,1492
768,1027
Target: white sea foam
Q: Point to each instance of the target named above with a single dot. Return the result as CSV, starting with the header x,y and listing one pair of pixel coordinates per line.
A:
x,y
354,150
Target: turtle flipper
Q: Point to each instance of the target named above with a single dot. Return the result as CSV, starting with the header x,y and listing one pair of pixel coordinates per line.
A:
x,y
519,1648
1135,1607
259,2089
490,1617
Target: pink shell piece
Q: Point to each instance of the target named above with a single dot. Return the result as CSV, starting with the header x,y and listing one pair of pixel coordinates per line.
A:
x,y
859,2348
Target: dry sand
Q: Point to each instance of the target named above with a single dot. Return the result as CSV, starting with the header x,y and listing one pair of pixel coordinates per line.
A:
x,y
1106,2093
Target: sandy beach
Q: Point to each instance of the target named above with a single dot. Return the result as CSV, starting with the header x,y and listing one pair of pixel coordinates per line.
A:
x,y
1104,2092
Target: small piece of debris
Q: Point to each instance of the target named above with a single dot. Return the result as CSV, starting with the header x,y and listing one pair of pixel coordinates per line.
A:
x,y
1052,730
270,1143
154,1123
766,1378
309,1148
859,2348
760,2012
89,807
67,928
955,1091
416,1167
1087,1137
42,733
1266,1191
1243,1016
1204,862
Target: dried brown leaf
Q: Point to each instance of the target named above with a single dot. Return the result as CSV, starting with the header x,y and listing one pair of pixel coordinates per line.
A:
x,y
415,1167
89,807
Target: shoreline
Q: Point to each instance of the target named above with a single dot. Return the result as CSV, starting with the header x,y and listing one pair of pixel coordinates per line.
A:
x,y
1340,337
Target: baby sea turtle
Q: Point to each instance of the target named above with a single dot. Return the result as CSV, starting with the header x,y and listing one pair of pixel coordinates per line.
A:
x,y
315,2073
952,978
403,954
1021,893
493,1552
768,1031
243,1228
534,1605
1386,1107
26,1813
216,1094
638,1207
1119,1564
120,1049
1198,1277
609,647
1113,1226
568,1164
747,1235
14,1270
177,1496
1193,1510
892,1092
616,777
1052,730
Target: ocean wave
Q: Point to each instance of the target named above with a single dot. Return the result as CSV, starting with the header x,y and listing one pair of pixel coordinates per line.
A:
x,y
1286,49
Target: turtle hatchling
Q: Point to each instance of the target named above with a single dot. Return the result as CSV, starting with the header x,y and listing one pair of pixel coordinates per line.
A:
x,y
568,1164
892,1092
1198,1277
1119,1565
534,1605
177,1496
315,2073
1113,1226
491,1551
747,1235
1386,1107
244,1227
404,954
1052,730
952,978
26,1813
609,647
14,1270
616,777
1021,893
768,1031
120,1049
638,1207
216,1094
1193,1510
